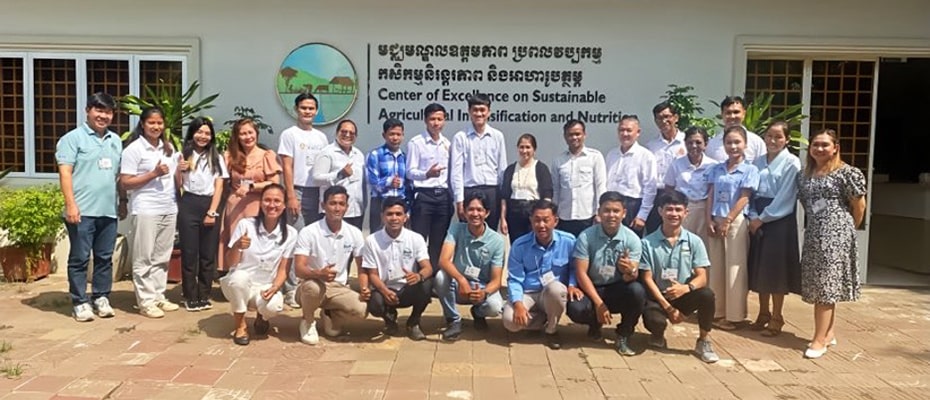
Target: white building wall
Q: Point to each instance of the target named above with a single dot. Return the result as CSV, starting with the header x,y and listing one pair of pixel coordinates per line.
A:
x,y
646,44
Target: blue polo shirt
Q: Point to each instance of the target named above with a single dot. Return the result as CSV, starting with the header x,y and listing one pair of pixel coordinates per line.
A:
x,y
530,262
95,161
728,184
602,252
482,253
676,262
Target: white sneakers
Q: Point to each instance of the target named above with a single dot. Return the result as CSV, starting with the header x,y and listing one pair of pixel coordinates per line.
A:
x,y
83,313
166,305
308,332
328,328
102,306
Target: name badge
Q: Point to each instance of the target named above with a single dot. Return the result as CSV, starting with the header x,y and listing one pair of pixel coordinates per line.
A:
x,y
246,182
472,272
548,278
607,271
104,163
670,274
818,206
308,161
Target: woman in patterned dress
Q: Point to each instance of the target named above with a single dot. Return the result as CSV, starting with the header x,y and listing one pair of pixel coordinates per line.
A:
x,y
251,169
833,195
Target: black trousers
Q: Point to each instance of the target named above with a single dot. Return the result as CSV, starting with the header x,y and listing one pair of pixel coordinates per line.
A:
x,y
374,214
518,218
632,206
626,298
431,215
416,296
309,204
491,193
701,300
575,226
198,247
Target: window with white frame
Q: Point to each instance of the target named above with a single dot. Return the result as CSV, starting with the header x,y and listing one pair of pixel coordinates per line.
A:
x,y
42,96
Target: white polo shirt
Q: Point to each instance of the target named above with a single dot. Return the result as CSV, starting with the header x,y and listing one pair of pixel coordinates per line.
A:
x,y
326,174
688,178
265,252
304,147
199,179
325,247
394,257
157,197
633,174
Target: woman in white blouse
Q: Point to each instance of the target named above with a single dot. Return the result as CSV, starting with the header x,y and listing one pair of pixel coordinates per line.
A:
x,y
200,176
260,250
525,181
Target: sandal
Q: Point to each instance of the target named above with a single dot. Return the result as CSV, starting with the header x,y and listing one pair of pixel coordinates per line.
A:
x,y
761,321
241,340
725,325
261,325
774,327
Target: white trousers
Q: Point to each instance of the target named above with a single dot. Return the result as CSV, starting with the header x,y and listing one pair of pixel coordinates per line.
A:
x,y
729,275
244,295
152,241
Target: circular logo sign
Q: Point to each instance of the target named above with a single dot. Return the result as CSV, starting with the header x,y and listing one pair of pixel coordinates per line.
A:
x,y
323,70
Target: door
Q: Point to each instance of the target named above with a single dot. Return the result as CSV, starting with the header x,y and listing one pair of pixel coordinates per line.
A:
x,y
838,94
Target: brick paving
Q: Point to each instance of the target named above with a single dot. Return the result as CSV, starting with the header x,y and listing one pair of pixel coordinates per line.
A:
x,y
883,353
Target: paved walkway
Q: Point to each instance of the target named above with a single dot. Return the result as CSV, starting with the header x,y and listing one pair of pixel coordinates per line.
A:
x,y
883,353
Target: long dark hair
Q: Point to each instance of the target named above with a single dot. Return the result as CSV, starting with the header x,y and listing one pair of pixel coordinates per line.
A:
x,y
282,222
138,131
213,157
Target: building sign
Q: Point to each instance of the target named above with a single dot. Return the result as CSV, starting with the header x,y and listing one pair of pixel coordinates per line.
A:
x,y
528,84
323,70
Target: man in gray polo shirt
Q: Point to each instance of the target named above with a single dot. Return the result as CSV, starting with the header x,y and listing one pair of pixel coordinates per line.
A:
x,y
88,165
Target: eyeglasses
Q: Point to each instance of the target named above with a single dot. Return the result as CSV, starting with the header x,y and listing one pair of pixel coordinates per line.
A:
x,y
347,132
663,117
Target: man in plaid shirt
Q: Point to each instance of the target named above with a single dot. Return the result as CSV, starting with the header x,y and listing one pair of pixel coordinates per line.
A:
x,y
385,169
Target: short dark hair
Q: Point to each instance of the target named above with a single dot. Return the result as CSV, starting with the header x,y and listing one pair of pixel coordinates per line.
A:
x,y
346,121
610,196
529,137
432,108
479,99
545,204
571,123
334,190
393,201
663,105
480,197
631,117
306,96
392,123
101,100
697,130
731,100
672,197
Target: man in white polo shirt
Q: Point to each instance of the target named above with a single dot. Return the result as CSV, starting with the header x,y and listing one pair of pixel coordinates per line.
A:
x,y
299,146
397,264
733,111
321,260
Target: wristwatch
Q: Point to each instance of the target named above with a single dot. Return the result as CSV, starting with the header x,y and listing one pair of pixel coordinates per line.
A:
x,y
213,214
690,287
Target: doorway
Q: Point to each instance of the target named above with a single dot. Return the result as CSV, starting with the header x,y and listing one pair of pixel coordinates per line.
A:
x,y
900,222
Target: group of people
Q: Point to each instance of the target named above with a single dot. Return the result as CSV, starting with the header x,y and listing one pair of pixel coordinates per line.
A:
x,y
684,224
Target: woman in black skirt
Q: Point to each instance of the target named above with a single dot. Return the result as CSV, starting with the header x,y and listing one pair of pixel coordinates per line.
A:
x,y
774,256
525,181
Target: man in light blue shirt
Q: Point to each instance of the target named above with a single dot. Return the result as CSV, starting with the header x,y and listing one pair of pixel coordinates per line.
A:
x,y
606,265
472,260
88,165
540,275
478,160
674,270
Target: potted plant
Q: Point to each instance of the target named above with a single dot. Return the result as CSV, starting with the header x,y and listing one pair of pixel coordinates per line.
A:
x,y
174,105
32,222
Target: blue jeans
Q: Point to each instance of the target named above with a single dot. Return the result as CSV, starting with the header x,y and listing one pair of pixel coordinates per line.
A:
x,y
97,234
447,289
